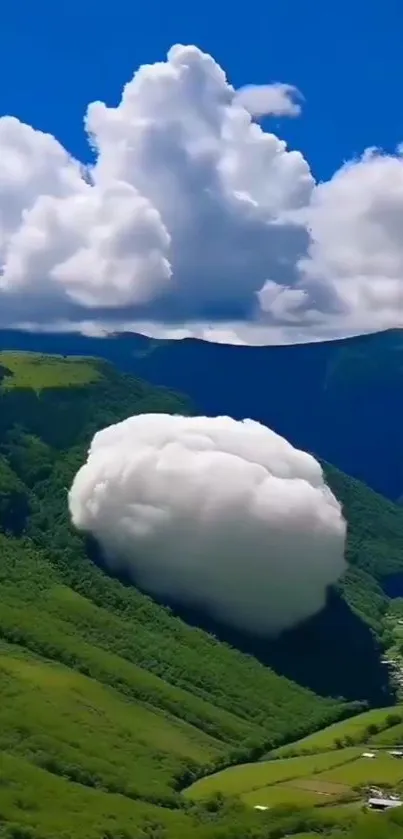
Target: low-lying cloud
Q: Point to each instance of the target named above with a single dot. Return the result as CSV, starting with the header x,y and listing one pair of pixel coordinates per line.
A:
x,y
194,220
213,513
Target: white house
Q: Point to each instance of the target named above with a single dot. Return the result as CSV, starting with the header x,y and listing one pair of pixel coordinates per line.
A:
x,y
383,803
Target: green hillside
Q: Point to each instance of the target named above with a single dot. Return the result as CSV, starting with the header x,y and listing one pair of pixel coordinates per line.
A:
x,y
326,777
109,704
38,372
374,547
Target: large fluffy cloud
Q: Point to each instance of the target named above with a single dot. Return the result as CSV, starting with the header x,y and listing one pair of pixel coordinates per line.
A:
x,y
213,512
194,220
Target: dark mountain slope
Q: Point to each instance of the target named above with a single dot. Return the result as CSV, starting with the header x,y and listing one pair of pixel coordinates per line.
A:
x,y
334,651
342,400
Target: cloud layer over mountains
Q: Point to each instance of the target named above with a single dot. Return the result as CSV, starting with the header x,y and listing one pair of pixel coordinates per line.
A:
x,y
213,513
194,220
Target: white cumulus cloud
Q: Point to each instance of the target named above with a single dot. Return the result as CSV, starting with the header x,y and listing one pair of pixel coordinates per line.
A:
x,y
276,99
213,512
193,220
354,266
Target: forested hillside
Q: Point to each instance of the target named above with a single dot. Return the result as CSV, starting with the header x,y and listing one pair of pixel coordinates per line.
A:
x,y
324,652
109,703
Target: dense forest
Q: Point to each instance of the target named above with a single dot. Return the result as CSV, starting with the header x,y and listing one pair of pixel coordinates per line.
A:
x,y
110,702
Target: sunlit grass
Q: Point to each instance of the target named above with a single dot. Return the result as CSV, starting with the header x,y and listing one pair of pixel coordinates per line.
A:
x,y
37,371
238,780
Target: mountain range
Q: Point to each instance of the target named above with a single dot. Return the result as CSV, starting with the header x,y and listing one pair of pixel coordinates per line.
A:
x,y
341,400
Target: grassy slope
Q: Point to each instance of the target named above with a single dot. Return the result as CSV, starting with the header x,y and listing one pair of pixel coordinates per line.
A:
x,y
37,371
239,780
107,701
336,745
363,728
375,525
375,544
324,778
79,727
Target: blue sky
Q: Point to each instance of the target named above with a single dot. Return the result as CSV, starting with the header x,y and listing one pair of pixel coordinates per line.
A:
x,y
346,57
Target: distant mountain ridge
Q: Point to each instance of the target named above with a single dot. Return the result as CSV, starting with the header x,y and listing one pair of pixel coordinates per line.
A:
x,y
341,400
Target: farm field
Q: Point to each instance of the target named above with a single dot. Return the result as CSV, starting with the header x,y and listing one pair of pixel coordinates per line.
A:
x,y
339,778
294,793
383,769
390,737
238,780
355,728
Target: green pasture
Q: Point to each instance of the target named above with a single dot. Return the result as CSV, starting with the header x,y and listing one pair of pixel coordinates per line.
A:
x,y
390,737
71,724
44,805
330,737
383,769
238,780
37,371
273,796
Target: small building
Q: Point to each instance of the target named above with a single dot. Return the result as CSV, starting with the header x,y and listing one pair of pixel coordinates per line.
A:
x,y
368,754
383,803
396,753
260,807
